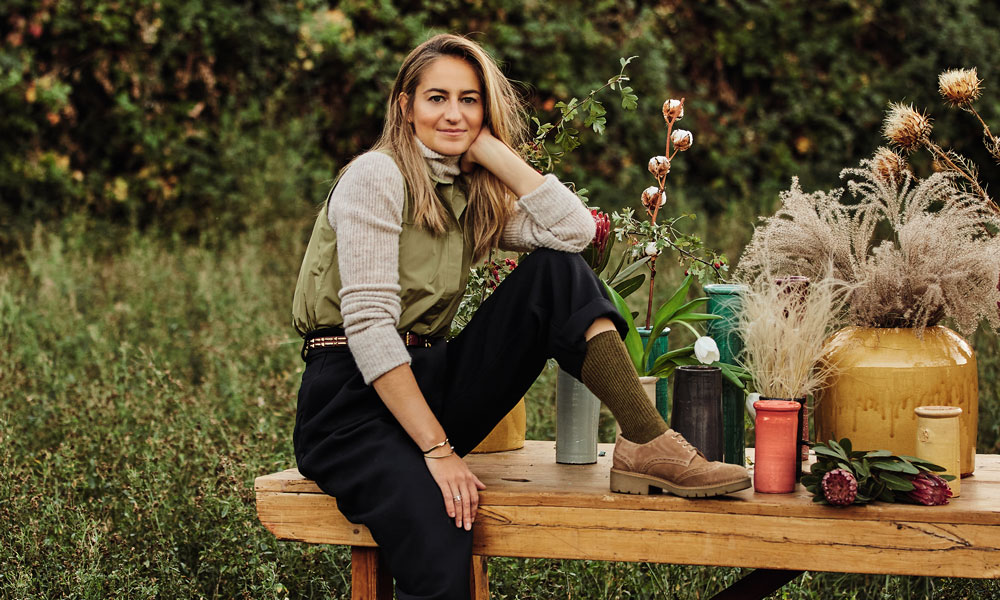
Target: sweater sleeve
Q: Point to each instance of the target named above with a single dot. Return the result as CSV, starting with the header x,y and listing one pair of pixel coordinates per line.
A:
x,y
366,211
550,216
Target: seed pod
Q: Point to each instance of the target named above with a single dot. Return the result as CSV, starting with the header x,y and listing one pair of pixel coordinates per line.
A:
x,y
906,127
659,166
673,110
682,139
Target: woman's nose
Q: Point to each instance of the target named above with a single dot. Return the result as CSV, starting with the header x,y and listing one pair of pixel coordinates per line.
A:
x,y
453,113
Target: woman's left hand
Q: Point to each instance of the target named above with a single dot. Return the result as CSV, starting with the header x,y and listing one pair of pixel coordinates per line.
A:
x,y
480,147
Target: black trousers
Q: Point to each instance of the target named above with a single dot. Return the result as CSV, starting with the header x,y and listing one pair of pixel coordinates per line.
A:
x,y
350,444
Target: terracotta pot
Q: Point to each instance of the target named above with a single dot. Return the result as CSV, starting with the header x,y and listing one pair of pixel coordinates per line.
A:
x,y
776,446
508,434
887,373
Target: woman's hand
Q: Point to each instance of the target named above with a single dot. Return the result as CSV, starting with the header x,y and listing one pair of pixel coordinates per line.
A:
x,y
481,147
459,487
498,158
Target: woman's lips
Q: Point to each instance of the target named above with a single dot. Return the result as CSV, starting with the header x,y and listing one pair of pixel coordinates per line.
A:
x,y
452,132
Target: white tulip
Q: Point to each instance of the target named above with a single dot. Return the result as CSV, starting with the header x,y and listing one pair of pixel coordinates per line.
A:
x,y
751,398
706,351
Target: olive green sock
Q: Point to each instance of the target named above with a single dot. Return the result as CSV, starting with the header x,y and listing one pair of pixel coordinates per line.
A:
x,y
609,373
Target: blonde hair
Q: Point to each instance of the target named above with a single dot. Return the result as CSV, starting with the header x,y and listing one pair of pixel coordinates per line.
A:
x,y
489,201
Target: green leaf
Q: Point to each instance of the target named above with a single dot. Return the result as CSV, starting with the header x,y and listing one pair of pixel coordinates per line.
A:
x,y
730,375
630,285
846,445
633,343
824,451
878,454
920,462
839,450
618,277
895,482
668,359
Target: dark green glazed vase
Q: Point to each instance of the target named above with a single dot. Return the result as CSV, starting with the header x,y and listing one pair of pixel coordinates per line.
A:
x,y
724,300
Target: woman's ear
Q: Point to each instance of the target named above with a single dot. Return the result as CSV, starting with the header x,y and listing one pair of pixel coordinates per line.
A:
x,y
404,104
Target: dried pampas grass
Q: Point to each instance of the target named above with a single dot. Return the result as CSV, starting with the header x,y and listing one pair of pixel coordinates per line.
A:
x,y
783,327
914,251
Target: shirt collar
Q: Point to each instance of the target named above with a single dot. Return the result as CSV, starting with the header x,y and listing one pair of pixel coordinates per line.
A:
x,y
443,168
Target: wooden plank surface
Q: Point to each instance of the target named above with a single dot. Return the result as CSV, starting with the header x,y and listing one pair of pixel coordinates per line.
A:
x,y
534,507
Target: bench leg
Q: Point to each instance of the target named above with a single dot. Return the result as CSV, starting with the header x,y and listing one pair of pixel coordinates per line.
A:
x,y
479,581
370,577
756,585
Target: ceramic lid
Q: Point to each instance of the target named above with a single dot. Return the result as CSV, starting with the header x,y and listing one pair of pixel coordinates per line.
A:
x,y
938,412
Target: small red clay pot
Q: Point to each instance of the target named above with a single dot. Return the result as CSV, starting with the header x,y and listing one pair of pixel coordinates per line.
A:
x,y
777,428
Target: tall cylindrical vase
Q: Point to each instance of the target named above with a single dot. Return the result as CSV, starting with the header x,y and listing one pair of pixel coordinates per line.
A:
x,y
697,410
939,440
724,300
776,447
577,415
660,347
802,431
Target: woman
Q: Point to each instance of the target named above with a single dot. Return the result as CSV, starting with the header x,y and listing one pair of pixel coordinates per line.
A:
x,y
387,408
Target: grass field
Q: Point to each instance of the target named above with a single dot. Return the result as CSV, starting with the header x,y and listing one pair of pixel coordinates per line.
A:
x,y
145,382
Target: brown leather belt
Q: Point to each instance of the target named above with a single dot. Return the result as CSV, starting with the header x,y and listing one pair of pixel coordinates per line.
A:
x,y
333,341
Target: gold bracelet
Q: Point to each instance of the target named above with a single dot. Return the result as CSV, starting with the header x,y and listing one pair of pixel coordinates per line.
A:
x,y
436,446
452,448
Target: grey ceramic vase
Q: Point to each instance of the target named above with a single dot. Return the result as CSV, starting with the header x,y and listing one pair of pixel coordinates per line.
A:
x,y
577,414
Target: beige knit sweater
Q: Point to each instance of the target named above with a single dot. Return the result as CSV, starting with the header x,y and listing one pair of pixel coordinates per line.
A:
x,y
366,211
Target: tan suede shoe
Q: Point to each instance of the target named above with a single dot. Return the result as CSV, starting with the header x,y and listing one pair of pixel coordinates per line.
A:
x,y
670,463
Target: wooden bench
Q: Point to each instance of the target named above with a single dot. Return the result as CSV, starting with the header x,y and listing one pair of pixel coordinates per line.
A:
x,y
534,507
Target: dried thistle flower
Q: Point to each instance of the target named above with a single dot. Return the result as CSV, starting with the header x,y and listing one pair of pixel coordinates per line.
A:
x,y
673,110
960,87
888,165
659,166
681,139
906,127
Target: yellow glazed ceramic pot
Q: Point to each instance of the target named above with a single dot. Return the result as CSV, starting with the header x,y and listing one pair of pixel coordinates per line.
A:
x,y
508,434
884,374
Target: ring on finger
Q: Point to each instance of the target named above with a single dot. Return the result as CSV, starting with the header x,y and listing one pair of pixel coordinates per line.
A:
x,y
457,497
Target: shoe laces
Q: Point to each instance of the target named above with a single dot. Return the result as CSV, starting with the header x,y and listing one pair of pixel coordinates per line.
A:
x,y
683,442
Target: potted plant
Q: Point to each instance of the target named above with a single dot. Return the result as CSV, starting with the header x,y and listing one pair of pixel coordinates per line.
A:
x,y
916,252
784,324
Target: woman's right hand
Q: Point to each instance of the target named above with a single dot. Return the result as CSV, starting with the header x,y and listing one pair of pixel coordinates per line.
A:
x,y
459,487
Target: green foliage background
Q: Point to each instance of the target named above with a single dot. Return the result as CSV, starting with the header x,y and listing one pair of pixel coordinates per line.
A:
x,y
160,163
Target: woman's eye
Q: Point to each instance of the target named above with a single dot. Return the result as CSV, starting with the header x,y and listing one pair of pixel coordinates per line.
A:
x,y
470,100
437,98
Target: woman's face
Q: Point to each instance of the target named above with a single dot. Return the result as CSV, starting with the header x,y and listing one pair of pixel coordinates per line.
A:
x,y
447,110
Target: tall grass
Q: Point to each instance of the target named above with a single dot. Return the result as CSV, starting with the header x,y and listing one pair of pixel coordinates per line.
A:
x,y
143,388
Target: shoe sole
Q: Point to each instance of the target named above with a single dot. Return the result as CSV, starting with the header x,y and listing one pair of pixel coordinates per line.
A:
x,y
623,482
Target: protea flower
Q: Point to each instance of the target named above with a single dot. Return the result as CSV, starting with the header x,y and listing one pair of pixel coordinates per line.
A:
x,y
682,139
840,488
906,127
888,165
602,231
673,110
929,489
960,86
659,166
